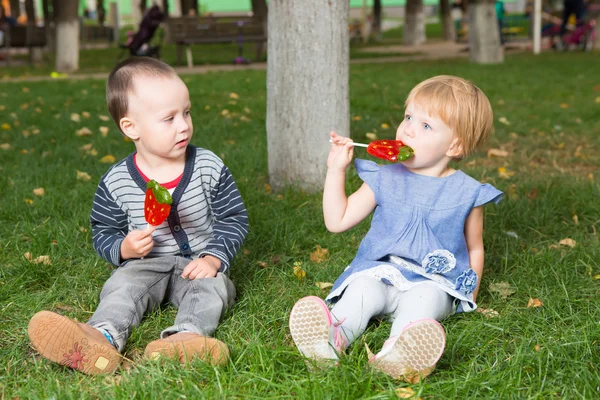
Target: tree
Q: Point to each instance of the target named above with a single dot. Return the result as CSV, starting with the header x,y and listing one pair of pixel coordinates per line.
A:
x,y
15,8
414,23
447,21
484,38
260,12
376,23
100,11
307,88
67,35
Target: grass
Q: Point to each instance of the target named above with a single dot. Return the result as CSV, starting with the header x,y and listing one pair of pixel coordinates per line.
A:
x,y
553,144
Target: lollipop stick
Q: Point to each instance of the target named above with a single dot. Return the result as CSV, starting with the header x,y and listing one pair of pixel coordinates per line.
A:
x,y
354,144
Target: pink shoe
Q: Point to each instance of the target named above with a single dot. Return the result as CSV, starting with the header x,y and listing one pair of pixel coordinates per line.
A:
x,y
313,330
414,353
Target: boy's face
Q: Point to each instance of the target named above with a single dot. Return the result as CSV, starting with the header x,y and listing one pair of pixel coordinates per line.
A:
x,y
158,117
432,140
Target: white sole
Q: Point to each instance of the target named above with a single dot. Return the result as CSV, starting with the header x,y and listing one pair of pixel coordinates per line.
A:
x,y
310,322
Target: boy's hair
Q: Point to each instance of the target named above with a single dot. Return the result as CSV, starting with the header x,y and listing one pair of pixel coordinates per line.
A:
x,y
120,82
460,104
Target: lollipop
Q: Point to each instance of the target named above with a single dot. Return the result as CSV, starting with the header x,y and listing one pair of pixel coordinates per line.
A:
x,y
391,150
157,204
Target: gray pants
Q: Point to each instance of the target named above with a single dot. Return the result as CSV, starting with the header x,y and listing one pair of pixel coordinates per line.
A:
x,y
366,298
142,285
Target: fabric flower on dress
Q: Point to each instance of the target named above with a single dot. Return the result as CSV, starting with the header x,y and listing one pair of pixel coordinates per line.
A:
x,y
439,262
467,281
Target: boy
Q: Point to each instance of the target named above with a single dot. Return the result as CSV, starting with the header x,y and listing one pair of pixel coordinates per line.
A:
x,y
185,260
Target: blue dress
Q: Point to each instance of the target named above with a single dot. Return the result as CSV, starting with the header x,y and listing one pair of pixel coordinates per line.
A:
x,y
417,231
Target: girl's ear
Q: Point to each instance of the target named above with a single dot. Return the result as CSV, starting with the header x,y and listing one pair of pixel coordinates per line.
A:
x,y
455,150
127,126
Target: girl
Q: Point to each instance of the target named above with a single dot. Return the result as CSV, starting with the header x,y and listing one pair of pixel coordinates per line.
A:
x,y
422,259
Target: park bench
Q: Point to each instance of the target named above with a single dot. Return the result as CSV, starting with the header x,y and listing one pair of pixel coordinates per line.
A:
x,y
192,30
23,36
96,34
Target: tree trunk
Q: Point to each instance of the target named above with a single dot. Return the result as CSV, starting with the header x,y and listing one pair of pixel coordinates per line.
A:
x,y
101,12
67,35
447,21
15,8
414,23
165,8
376,23
307,88
260,12
484,38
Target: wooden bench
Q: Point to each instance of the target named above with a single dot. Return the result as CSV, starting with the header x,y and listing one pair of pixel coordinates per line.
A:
x,y
94,34
23,36
188,31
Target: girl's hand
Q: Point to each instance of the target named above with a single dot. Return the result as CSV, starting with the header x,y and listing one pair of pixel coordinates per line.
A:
x,y
341,152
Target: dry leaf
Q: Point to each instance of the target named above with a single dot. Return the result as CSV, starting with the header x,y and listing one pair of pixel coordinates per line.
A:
x,y
29,201
298,271
108,159
497,153
83,176
230,142
268,188
537,347
534,303
39,191
83,132
234,96
86,147
533,194
598,99
405,393
262,264
247,110
371,136
225,112
28,256
5,126
86,114
5,146
488,312
356,118
504,173
564,105
502,288
323,285
104,117
75,117
503,120
596,277
575,219
25,89
42,260
319,255
385,126
568,242
104,131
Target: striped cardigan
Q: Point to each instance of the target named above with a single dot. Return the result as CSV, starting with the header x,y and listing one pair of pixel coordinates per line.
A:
x,y
207,214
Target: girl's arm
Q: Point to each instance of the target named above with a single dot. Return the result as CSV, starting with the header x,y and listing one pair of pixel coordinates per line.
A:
x,y
340,212
474,238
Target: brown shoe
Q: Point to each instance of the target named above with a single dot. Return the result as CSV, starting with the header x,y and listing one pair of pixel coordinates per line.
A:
x,y
72,344
187,345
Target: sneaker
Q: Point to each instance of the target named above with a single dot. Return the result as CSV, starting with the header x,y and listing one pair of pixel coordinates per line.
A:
x,y
185,346
414,353
72,344
313,330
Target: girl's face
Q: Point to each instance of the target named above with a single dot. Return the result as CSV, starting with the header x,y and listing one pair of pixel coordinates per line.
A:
x,y
432,140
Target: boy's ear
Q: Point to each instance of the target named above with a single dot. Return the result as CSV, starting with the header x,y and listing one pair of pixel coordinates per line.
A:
x,y
455,150
128,128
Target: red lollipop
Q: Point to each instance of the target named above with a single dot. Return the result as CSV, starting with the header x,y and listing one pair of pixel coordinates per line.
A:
x,y
391,150
157,204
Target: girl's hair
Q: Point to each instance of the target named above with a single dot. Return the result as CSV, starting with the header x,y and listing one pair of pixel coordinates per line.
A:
x,y
460,104
120,82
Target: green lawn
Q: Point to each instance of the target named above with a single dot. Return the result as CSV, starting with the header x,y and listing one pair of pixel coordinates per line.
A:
x,y
552,103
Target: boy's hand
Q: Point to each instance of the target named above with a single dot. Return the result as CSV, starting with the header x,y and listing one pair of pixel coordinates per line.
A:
x,y
341,152
137,244
205,267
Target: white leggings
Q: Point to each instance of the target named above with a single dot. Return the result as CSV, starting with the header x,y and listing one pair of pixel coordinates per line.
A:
x,y
367,297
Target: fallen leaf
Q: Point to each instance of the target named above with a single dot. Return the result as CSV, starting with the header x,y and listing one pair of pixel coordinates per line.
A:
x,y
537,347
504,173
108,159
24,106
234,96
598,100
225,112
82,229
5,127
86,147
534,303
207,107
28,256
104,131
512,234
503,120
497,153
356,118
371,136
243,118
29,201
104,117
385,126
262,264
405,393
5,146
247,110
568,242
268,188
246,251
83,132
230,141
532,194
564,105
596,277
503,289
319,255
25,89
39,191
500,102
323,285
488,312
83,176
575,219
298,271
75,117
86,114
42,260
